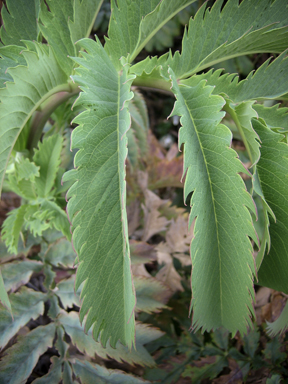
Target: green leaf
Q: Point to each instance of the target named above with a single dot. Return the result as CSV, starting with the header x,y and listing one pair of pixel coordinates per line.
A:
x,y
12,227
242,115
223,266
272,171
151,294
65,23
18,273
26,170
17,365
10,57
97,199
33,84
239,29
54,375
58,219
207,371
20,23
3,295
86,344
61,253
269,81
250,342
274,117
47,157
67,293
26,305
273,350
145,19
275,379
91,373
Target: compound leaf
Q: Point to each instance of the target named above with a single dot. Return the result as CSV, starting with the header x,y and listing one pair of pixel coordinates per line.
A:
x,y
47,157
18,273
54,375
223,266
145,19
239,29
26,305
12,227
17,365
91,373
33,83
64,24
268,82
10,57
274,117
97,199
20,23
273,177
86,343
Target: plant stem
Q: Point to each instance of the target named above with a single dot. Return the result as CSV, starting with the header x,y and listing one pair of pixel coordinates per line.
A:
x,y
44,112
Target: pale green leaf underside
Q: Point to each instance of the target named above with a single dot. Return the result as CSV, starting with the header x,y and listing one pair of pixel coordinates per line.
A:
x,y
26,305
20,23
280,325
91,373
251,27
54,375
221,251
145,19
17,365
33,84
97,199
86,344
268,82
18,273
272,169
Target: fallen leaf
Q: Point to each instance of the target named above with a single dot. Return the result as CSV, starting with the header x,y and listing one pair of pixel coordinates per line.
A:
x,y
153,222
142,252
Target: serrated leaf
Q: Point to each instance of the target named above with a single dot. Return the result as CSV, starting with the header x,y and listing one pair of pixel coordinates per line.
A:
x,y
47,157
242,115
146,18
12,227
238,29
67,293
274,117
88,373
61,253
268,82
26,305
58,218
151,294
280,325
10,57
272,170
223,266
64,24
86,343
67,373
33,84
18,363
18,273
97,199
20,23
54,375
250,342
26,170
210,370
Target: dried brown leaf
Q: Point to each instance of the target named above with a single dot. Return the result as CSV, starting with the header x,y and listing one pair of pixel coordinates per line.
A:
x,y
142,252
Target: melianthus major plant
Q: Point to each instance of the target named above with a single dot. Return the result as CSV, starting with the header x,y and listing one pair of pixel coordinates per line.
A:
x,y
37,77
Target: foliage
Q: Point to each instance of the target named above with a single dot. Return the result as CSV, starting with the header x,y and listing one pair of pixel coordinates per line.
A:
x,y
238,220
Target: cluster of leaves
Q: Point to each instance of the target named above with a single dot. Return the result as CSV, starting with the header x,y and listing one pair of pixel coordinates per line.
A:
x,y
36,81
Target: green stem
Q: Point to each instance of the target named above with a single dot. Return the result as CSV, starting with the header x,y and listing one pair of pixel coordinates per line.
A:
x,y
233,114
154,84
43,113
